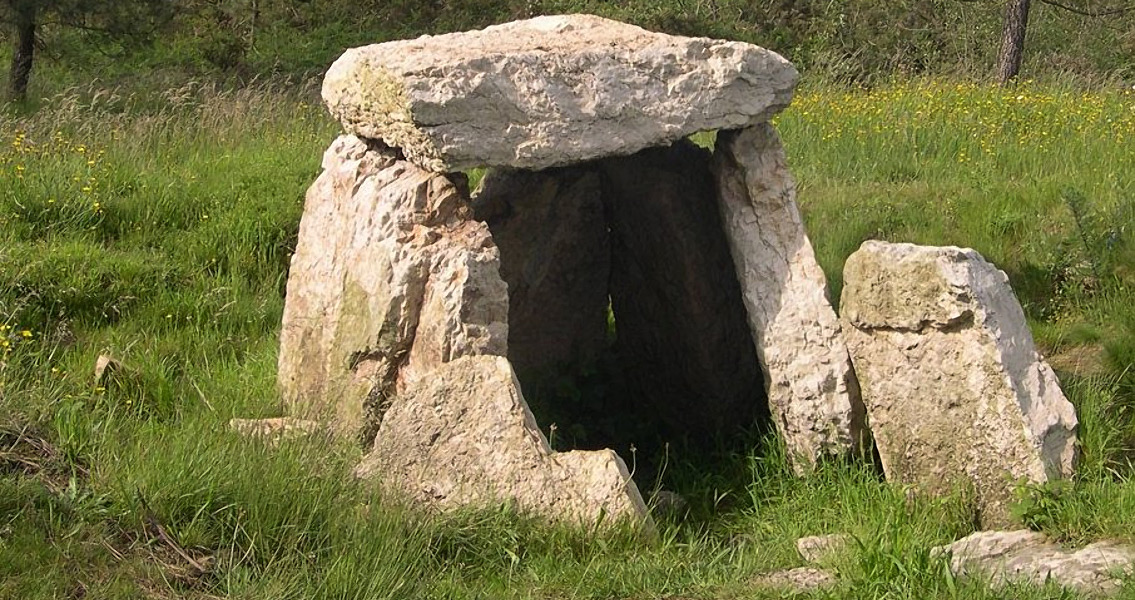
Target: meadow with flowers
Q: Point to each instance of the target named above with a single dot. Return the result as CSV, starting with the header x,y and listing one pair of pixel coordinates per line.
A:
x,y
158,231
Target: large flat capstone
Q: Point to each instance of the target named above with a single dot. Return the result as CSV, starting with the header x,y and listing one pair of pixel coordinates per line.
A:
x,y
955,390
550,91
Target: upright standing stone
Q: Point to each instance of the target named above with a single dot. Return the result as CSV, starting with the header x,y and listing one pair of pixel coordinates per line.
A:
x,y
681,338
955,390
811,388
391,277
556,259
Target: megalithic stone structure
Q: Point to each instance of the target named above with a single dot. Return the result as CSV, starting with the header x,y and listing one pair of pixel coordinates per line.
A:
x,y
397,329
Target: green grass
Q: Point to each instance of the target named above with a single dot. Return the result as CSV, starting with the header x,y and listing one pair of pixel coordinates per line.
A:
x,y
160,232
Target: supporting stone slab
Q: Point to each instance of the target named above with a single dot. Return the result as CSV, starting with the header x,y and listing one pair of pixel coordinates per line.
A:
x,y
812,390
391,277
550,91
465,437
956,392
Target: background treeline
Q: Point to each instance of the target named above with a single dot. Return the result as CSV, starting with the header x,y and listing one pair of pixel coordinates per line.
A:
x,y
850,41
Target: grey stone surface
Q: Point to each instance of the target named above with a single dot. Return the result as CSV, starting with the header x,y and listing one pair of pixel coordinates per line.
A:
x,y
550,91
812,390
1030,557
956,393
391,277
465,436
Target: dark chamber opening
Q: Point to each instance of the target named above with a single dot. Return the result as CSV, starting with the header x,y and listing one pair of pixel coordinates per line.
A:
x,y
626,322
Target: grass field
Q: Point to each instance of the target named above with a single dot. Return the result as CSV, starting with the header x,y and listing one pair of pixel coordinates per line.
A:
x,y
159,232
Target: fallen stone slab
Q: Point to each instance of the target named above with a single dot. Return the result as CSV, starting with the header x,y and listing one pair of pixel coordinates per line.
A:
x,y
391,277
465,437
956,392
812,391
1025,556
550,91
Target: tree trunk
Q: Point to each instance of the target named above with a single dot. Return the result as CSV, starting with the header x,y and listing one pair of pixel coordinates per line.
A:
x,y
23,54
1012,40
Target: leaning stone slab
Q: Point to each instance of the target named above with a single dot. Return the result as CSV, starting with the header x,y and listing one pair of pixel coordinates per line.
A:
x,y
955,390
1025,556
465,437
550,91
391,277
812,390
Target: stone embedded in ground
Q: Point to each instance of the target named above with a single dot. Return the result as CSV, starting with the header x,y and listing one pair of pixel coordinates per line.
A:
x,y
555,257
819,548
800,579
550,91
465,436
812,390
274,429
391,278
681,341
955,390
1025,556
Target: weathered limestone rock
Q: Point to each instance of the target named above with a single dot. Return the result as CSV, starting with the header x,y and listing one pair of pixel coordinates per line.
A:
x,y
555,258
955,390
812,390
681,341
391,278
465,436
1025,556
550,91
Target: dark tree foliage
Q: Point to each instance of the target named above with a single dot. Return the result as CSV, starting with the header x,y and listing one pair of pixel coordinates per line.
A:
x,y
109,19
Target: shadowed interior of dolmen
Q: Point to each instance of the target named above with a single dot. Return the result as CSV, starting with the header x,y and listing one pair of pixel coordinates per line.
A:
x,y
627,327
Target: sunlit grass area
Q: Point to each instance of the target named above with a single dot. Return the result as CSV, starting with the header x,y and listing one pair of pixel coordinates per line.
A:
x,y
159,232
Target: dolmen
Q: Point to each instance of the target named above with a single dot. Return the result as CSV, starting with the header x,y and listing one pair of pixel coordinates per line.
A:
x,y
413,300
